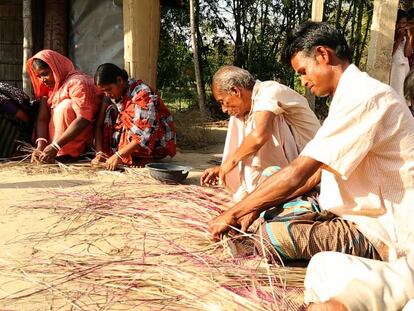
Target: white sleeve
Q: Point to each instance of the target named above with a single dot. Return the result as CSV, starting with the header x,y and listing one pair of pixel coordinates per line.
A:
x,y
360,283
268,98
346,137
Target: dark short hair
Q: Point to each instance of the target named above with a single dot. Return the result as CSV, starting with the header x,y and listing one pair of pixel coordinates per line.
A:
x,y
401,14
309,35
409,87
108,73
38,63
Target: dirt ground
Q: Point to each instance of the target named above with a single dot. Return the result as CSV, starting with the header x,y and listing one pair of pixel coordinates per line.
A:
x,y
21,185
36,241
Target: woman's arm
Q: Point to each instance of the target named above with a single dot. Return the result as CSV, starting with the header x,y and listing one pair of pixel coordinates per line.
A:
x,y
116,159
42,124
42,133
73,130
100,124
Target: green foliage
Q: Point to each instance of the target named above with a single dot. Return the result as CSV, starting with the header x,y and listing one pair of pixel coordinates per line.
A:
x,y
249,34
175,65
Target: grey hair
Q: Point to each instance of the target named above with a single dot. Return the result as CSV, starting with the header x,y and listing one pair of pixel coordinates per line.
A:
x,y
229,76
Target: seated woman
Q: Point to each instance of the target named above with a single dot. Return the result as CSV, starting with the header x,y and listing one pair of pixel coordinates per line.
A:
x,y
69,102
134,125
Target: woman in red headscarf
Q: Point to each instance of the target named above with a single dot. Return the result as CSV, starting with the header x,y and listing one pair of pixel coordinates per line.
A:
x,y
68,106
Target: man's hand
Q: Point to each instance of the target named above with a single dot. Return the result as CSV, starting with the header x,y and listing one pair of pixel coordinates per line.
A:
x,y
48,155
112,163
210,176
330,305
246,221
221,224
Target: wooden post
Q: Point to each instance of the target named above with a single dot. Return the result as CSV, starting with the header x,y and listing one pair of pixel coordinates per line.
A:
x,y
27,44
382,39
317,15
141,39
56,26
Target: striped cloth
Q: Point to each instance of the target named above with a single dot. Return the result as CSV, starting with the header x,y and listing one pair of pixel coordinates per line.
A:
x,y
298,230
10,131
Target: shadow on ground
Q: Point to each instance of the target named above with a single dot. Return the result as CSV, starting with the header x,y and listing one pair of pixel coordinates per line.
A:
x,y
45,184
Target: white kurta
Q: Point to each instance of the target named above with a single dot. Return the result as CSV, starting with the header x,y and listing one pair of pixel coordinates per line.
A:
x,y
293,126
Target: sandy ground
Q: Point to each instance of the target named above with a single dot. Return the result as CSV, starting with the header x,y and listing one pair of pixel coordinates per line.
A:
x,y
24,231
25,184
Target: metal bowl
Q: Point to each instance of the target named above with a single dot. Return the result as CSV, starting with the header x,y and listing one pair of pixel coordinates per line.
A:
x,y
168,172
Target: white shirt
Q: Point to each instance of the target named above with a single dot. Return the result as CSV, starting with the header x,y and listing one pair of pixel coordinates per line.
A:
x,y
361,284
293,126
367,147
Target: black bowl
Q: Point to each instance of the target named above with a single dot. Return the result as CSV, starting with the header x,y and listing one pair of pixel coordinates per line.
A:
x,y
168,172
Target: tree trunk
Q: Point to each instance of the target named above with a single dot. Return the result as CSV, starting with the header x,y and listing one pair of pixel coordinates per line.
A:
x,y
194,43
382,39
27,44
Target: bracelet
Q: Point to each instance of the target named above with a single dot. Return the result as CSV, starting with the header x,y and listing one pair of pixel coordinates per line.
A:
x,y
41,139
118,155
55,145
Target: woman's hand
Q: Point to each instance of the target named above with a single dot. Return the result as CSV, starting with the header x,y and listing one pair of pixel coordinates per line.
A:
x,y
112,163
36,156
99,158
41,145
48,155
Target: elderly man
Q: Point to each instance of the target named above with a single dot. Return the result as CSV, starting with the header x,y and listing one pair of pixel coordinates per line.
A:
x,y
269,125
364,153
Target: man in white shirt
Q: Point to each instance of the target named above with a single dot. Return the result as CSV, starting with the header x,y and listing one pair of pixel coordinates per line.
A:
x,y
269,125
364,153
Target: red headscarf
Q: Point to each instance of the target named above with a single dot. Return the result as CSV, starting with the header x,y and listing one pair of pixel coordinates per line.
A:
x,y
61,66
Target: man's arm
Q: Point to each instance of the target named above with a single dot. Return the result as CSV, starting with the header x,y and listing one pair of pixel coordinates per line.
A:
x,y
300,176
252,142
246,221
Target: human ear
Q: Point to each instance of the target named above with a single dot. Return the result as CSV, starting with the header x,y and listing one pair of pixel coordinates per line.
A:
x,y
323,54
235,91
119,80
